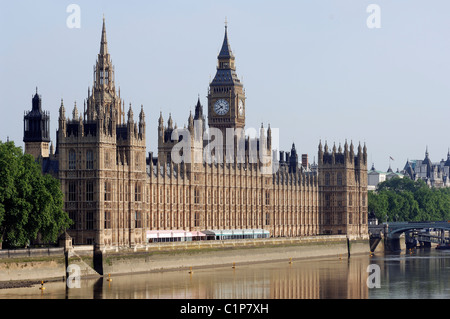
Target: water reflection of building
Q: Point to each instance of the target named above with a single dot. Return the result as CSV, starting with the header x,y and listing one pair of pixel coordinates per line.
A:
x,y
357,279
296,283
321,279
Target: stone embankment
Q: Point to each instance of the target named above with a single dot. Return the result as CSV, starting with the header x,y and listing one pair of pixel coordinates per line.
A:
x,y
22,267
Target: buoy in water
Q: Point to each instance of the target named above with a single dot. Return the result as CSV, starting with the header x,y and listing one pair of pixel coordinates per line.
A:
x,y
190,270
109,277
234,265
42,285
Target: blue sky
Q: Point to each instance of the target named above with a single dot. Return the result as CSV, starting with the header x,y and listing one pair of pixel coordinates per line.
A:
x,y
313,69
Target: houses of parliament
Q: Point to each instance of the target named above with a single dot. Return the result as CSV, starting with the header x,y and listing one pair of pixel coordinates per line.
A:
x,y
118,195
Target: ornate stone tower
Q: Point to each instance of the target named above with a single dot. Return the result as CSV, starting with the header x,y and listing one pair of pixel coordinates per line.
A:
x,y
104,97
343,190
36,127
102,165
226,96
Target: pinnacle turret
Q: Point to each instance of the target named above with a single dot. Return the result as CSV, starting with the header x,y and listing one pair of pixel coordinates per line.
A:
x,y
103,42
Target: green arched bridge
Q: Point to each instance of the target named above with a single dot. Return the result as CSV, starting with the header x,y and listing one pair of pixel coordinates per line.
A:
x,y
424,232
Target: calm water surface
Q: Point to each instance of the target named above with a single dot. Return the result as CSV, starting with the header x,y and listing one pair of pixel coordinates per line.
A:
x,y
423,274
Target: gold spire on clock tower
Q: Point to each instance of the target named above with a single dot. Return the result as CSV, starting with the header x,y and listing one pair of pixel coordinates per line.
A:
x,y
226,96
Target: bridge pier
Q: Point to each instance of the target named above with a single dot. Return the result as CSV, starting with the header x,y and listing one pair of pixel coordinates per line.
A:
x,y
392,244
374,243
425,244
410,240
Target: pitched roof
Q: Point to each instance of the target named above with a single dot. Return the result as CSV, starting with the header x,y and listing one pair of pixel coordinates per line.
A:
x,y
225,52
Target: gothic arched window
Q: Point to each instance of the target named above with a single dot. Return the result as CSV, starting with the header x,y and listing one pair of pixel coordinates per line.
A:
x,y
72,159
327,179
339,179
89,159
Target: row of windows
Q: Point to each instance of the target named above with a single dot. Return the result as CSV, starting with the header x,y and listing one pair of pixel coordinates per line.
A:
x,y
73,159
72,192
338,198
340,218
90,159
328,179
213,196
218,220
88,222
138,219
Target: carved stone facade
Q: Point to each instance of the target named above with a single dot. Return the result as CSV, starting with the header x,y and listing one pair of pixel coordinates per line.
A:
x,y
115,193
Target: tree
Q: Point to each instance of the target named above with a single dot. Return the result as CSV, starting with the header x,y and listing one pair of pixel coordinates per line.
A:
x,y
407,200
30,203
378,204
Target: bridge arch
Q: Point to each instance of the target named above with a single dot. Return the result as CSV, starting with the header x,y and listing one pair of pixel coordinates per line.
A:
x,y
393,230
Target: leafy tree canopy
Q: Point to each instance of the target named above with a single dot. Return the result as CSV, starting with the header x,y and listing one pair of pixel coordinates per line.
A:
x,y
30,202
402,199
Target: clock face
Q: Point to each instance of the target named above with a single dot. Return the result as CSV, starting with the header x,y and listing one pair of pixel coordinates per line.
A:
x,y
221,107
241,108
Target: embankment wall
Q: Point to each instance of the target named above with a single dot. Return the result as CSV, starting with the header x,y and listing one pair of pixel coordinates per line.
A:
x,y
172,256
43,265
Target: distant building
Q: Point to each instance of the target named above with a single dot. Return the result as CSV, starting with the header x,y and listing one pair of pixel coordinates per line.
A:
x,y
375,177
433,174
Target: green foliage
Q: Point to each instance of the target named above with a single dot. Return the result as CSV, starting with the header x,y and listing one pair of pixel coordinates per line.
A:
x,y
402,199
30,203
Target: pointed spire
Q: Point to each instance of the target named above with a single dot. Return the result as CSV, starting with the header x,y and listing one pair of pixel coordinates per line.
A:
x,y
130,115
36,102
389,169
198,110
142,114
262,132
225,52
75,112
170,122
161,120
190,121
447,162
103,42
62,110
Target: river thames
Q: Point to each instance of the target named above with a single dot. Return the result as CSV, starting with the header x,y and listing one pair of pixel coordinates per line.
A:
x,y
421,274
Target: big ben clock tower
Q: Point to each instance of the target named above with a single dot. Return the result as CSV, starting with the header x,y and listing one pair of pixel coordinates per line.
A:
x,y
226,97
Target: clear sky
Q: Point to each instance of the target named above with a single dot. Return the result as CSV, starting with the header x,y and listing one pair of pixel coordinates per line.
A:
x,y
313,69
